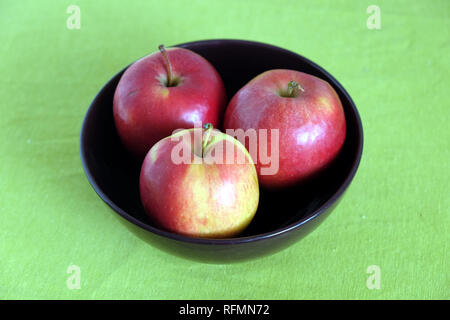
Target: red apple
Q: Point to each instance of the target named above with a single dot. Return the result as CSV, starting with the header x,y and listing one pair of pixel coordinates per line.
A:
x,y
165,91
190,185
307,113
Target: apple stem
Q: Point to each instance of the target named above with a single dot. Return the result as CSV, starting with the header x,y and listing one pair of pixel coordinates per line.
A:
x,y
293,88
208,127
163,50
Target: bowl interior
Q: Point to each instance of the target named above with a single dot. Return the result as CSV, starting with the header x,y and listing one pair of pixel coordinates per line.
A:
x,y
115,175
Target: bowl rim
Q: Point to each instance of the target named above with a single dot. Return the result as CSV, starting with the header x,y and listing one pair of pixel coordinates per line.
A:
x,y
235,240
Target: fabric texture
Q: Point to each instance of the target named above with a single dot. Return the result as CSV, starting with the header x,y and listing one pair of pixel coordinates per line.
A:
x,y
393,222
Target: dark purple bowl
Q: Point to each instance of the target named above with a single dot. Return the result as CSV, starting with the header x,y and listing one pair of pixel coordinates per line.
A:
x,y
282,218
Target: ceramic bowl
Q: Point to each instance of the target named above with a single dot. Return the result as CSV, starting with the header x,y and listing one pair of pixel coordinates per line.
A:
x,y
283,217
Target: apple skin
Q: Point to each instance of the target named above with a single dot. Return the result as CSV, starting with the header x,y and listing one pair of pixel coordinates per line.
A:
x,y
206,200
312,126
146,110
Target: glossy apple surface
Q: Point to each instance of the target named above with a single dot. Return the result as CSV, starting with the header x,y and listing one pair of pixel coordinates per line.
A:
x,y
204,196
309,117
147,108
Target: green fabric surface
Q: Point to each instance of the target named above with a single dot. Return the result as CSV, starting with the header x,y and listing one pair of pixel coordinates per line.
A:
x,y
395,215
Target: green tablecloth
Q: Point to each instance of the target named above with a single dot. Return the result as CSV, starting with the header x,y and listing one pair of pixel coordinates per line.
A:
x,y
395,215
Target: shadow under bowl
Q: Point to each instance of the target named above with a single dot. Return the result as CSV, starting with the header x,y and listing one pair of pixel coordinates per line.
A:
x,y
283,217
